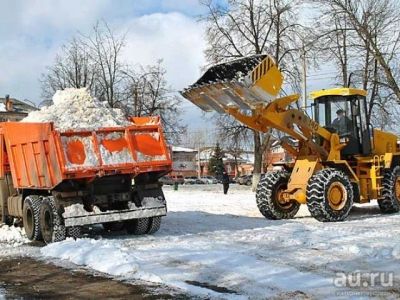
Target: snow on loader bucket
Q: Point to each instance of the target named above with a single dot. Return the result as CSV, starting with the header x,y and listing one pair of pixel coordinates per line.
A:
x,y
243,84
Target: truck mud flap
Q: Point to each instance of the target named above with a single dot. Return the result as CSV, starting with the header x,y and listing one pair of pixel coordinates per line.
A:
x,y
115,216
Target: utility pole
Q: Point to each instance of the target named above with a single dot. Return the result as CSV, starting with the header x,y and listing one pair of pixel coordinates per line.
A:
x,y
304,78
198,161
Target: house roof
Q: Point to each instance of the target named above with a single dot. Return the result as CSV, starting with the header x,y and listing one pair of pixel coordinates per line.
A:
x,y
182,149
19,106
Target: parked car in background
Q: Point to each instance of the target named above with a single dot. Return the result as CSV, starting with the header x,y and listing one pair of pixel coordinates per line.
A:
x,y
193,180
209,179
170,180
179,179
167,180
190,180
245,179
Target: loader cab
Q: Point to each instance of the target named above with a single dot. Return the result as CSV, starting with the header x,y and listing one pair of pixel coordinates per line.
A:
x,y
344,111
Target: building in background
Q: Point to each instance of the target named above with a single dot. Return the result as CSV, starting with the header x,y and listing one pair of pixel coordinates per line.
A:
x,y
12,109
184,162
277,154
235,165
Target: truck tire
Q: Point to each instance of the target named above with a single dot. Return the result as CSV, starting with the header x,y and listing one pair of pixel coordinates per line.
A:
x,y
329,195
137,226
75,232
154,225
30,218
268,195
390,202
52,227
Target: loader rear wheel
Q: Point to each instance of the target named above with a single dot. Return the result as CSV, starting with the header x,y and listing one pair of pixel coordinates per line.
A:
x,y
30,217
390,202
329,195
269,197
52,227
137,226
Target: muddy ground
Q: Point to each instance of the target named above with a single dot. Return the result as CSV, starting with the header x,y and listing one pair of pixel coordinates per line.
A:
x,y
26,278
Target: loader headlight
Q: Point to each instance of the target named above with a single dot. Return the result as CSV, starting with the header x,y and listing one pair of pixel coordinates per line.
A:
x,y
343,140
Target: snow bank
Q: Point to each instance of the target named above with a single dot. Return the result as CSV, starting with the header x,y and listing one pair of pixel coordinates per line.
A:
x,y
77,109
220,246
12,236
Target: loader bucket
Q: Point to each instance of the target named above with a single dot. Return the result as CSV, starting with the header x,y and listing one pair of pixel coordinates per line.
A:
x,y
243,83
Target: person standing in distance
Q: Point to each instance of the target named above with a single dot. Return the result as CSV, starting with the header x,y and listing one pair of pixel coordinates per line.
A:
x,y
225,182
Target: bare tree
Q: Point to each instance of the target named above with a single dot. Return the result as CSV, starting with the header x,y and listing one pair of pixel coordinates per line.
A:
x,y
147,93
105,48
246,27
363,39
95,61
72,68
376,23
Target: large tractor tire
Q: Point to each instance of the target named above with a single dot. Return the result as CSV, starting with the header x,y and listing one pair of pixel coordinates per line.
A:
x,y
51,222
31,216
390,202
329,195
269,197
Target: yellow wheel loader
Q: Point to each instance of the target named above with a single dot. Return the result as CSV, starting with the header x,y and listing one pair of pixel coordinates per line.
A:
x,y
339,158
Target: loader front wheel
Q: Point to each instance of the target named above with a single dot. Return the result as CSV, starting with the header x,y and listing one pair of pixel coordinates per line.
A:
x,y
51,224
390,202
269,197
329,195
30,217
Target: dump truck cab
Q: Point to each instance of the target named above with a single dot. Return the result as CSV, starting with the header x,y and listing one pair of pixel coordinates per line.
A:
x,y
344,111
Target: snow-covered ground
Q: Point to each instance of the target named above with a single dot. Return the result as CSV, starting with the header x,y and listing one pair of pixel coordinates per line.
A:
x,y
219,246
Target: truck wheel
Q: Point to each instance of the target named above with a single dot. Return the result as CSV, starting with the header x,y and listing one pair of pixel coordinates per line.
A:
x,y
137,226
30,217
329,195
74,232
154,225
390,202
269,197
51,222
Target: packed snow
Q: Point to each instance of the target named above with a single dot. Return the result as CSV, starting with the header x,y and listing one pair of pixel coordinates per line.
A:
x,y
77,109
12,235
219,246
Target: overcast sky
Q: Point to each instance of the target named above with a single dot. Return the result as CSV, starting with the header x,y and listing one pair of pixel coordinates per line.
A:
x,y
32,32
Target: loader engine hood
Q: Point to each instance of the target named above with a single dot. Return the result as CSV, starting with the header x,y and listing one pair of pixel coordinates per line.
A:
x,y
243,83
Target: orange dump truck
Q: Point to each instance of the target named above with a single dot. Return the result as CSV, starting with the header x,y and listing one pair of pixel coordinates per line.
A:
x,y
58,181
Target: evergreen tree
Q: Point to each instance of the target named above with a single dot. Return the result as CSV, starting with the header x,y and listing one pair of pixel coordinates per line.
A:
x,y
215,164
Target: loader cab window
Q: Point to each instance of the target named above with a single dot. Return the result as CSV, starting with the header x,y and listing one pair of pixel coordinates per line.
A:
x,y
346,116
335,115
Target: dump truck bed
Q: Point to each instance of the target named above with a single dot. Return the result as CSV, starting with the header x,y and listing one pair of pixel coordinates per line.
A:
x,y
40,157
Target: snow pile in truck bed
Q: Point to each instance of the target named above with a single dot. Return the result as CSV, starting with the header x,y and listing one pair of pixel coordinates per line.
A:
x,y
77,109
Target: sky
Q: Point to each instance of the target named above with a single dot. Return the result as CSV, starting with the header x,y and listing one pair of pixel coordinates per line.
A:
x,y
32,32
